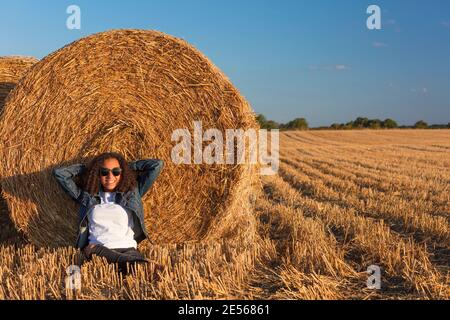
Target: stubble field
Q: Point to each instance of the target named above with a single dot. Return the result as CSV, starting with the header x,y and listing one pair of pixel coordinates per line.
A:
x,y
341,202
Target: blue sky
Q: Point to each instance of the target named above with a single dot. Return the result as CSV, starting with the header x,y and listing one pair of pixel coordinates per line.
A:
x,y
312,59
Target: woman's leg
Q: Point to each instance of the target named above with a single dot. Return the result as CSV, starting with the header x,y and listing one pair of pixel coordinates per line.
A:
x,y
111,255
122,257
118,256
138,255
134,253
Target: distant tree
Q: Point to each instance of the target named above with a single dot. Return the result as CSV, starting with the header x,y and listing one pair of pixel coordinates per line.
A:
x,y
421,125
349,125
297,124
448,125
374,124
336,126
361,123
261,120
389,124
272,125
437,126
266,124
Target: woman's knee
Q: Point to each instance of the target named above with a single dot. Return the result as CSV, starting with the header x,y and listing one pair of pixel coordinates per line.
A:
x,y
89,250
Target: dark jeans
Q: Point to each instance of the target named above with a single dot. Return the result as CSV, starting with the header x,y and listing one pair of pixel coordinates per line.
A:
x,y
120,256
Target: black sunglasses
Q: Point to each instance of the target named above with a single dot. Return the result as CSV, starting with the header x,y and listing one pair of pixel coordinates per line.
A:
x,y
115,171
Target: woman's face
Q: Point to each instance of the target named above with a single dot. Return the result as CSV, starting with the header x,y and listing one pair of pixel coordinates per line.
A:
x,y
109,181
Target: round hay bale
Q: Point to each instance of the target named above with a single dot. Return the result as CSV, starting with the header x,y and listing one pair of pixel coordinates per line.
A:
x,y
125,91
12,68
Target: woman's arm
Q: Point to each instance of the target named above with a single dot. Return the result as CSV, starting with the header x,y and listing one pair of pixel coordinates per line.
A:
x,y
148,170
65,175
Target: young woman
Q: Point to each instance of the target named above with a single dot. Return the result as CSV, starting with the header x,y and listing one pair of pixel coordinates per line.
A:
x,y
111,216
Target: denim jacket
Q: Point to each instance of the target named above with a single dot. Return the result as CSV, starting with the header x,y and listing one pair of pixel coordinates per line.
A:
x,y
148,170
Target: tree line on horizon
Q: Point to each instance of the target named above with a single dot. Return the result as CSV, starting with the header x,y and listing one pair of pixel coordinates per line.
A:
x,y
358,123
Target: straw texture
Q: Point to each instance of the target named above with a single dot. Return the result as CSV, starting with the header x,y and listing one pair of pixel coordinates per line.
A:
x,y
126,91
12,68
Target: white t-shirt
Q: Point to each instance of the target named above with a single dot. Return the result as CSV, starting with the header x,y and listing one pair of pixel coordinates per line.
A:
x,y
110,224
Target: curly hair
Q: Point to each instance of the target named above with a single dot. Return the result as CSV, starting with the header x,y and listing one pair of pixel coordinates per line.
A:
x,y
90,178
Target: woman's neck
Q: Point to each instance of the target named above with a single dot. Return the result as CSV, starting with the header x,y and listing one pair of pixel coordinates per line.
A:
x,y
103,190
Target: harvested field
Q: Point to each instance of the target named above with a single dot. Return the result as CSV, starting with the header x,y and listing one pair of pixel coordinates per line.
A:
x,y
342,201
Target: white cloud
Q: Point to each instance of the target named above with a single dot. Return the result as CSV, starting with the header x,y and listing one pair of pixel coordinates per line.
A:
x,y
377,44
341,67
422,91
335,67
